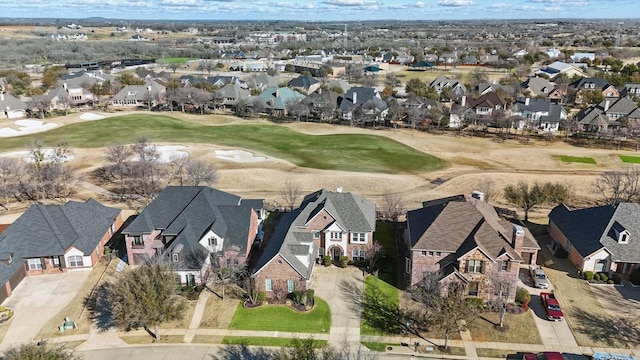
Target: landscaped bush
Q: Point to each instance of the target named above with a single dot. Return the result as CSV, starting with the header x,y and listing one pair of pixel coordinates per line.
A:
x,y
310,296
261,296
588,275
561,253
299,297
475,303
616,279
596,277
634,277
610,281
327,260
523,297
344,261
604,277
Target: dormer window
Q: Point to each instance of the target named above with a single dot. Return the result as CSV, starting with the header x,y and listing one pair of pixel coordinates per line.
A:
x,y
213,241
175,258
623,237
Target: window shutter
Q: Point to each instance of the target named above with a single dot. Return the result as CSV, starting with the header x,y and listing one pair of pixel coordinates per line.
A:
x,y
482,267
466,267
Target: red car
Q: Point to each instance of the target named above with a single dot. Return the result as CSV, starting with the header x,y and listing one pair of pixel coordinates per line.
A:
x,y
551,306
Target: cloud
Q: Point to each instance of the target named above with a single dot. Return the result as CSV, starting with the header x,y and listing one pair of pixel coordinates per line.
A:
x,y
455,3
351,3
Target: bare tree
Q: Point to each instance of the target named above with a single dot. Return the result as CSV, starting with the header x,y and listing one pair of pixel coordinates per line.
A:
x,y
619,186
10,170
487,186
391,206
503,288
290,193
529,197
225,271
47,177
200,172
373,255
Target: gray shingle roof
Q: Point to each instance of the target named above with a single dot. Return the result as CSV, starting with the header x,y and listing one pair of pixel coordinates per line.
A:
x,y
189,212
11,102
350,212
50,230
591,229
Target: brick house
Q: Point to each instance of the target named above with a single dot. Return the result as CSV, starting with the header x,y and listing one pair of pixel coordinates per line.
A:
x,y
600,238
193,227
50,239
463,239
326,223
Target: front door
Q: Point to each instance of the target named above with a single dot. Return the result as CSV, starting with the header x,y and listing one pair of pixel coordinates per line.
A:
x,y
337,254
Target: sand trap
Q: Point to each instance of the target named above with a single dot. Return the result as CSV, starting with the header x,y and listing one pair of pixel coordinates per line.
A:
x,y
169,153
26,156
27,127
91,116
241,156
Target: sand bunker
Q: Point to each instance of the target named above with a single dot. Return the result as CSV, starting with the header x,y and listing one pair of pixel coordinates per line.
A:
x,y
241,156
27,127
169,153
25,155
91,116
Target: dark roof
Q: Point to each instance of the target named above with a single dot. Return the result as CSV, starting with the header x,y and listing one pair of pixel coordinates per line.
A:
x,y
535,104
357,96
591,229
423,64
303,81
189,212
490,99
596,81
350,212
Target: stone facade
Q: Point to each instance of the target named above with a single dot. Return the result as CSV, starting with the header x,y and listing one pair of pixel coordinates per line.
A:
x,y
279,272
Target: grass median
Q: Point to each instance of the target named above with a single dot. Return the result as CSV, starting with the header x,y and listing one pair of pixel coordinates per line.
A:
x,y
283,318
346,152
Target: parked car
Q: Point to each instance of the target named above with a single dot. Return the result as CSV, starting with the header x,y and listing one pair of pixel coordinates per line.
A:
x,y
539,277
551,306
553,355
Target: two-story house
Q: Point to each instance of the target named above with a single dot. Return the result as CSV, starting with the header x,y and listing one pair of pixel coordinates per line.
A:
x,y
462,238
362,104
608,114
332,223
538,113
483,108
586,84
194,227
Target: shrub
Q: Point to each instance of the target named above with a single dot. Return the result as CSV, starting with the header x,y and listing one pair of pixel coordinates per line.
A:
x,y
561,253
588,275
523,296
610,281
344,261
604,277
475,303
299,296
187,289
596,277
327,260
634,277
616,279
310,296
261,296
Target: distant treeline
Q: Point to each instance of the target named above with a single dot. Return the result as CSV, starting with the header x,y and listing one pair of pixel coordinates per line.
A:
x,y
95,65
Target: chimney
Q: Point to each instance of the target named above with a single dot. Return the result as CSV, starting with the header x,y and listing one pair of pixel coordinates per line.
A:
x,y
518,238
606,105
355,97
464,100
1,97
526,101
339,189
64,86
149,88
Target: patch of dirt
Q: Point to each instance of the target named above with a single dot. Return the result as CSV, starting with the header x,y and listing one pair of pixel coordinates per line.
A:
x,y
218,313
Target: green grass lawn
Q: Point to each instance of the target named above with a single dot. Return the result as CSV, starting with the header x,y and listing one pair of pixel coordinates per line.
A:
x,y
381,307
265,341
376,346
577,159
347,152
176,60
283,318
384,235
630,159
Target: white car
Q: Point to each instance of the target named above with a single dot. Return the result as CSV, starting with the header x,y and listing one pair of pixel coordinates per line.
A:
x,y
539,277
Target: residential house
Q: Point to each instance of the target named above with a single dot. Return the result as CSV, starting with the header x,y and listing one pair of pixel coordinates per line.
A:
x,y
558,68
50,239
194,227
487,107
322,104
277,99
579,56
230,94
484,88
433,111
65,97
338,84
220,81
590,84
631,90
12,107
148,95
607,115
332,223
443,85
463,239
306,84
552,53
600,238
261,82
138,37
538,113
362,104
537,87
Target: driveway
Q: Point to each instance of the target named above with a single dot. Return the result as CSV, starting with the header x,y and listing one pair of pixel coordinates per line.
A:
x,y
38,299
334,285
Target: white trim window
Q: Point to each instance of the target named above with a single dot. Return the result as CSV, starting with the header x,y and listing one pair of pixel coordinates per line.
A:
x,y
35,264
357,255
75,261
291,285
268,285
335,235
359,238
315,234
175,257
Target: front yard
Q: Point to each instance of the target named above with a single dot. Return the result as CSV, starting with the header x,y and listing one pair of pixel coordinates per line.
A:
x,y
283,318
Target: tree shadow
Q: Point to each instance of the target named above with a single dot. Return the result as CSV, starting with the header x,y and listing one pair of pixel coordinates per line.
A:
x,y
99,308
615,332
242,352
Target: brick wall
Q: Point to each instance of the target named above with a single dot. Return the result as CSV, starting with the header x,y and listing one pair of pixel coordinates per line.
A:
x,y
279,271
557,235
422,262
145,249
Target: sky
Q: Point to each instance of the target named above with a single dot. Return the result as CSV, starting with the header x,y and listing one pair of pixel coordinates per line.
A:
x,y
322,10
